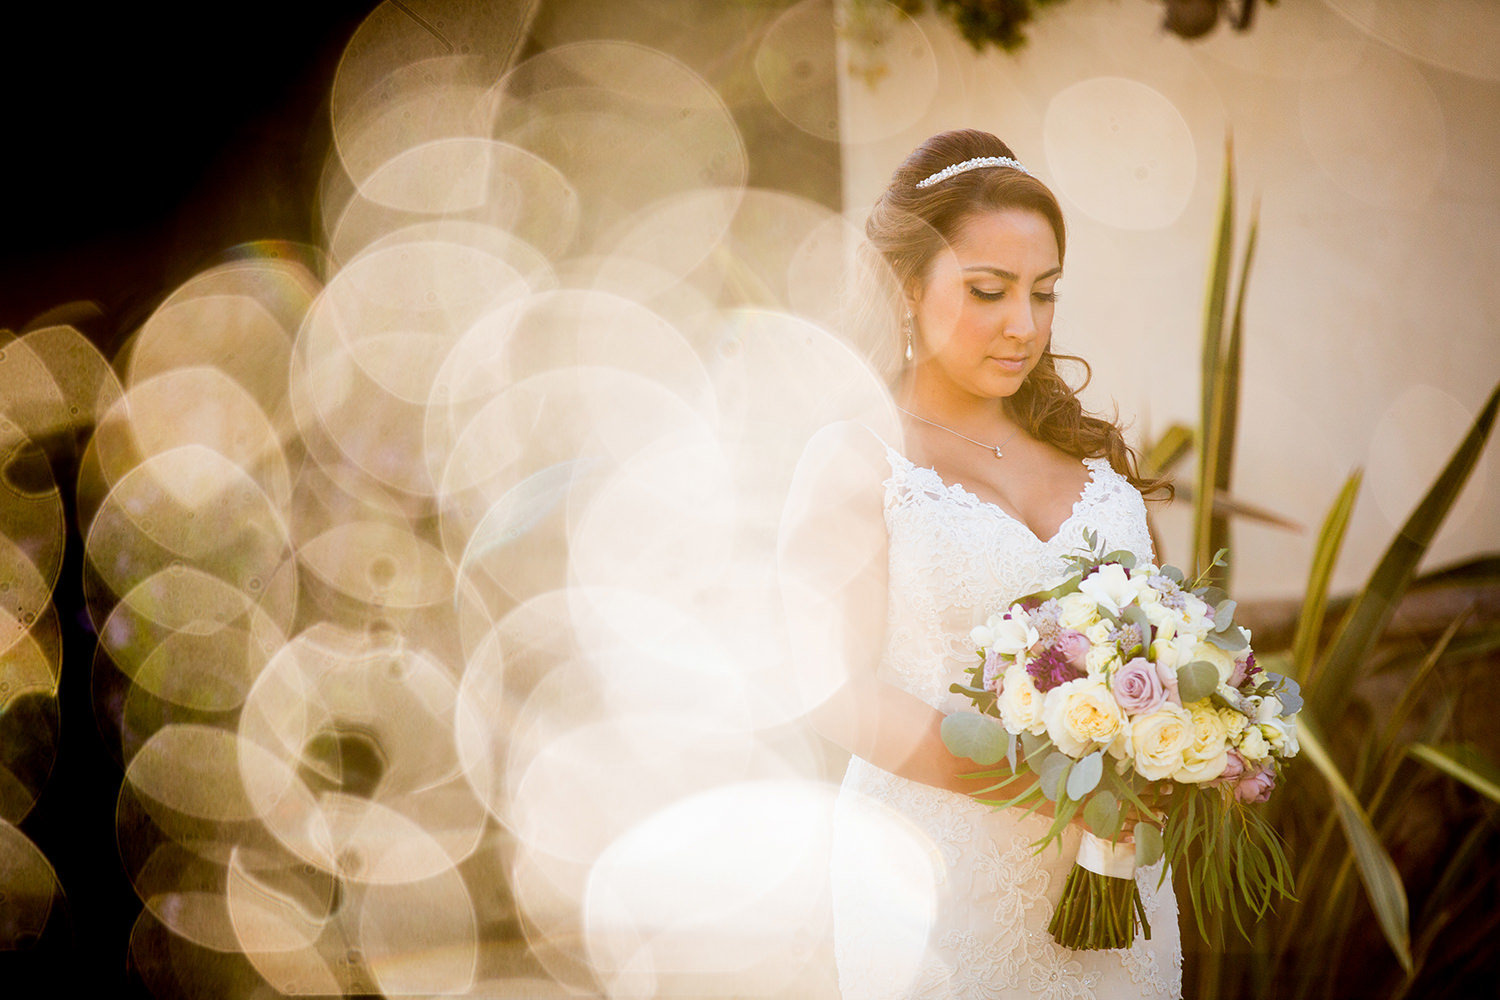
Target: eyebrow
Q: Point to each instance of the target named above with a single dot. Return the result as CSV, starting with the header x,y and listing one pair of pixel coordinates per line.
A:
x,y
1007,275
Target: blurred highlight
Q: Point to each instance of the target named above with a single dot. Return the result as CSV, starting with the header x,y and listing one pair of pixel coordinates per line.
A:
x,y
434,568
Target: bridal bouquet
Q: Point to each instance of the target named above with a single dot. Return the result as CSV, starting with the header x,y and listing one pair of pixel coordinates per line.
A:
x,y
1131,693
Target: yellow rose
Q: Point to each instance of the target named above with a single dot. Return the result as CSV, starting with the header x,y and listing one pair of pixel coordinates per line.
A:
x,y
1159,740
1253,744
1020,703
1077,612
1234,722
1097,633
1080,714
1204,760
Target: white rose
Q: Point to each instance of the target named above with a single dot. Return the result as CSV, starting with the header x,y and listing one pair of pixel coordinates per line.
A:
x,y
1097,633
1145,594
1109,586
1205,759
1020,703
1077,612
1159,740
1080,714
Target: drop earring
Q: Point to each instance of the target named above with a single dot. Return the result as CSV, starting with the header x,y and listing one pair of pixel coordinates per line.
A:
x,y
909,326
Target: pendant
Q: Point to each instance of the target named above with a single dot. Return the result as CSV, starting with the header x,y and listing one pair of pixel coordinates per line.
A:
x,y
997,453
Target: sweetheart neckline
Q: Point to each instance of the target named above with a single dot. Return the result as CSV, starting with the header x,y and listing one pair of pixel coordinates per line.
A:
x,y
961,492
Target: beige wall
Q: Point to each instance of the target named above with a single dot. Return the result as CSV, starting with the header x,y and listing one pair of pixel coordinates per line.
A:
x,y
1372,140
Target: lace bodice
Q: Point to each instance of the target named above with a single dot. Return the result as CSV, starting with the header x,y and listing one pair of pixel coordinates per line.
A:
x,y
954,560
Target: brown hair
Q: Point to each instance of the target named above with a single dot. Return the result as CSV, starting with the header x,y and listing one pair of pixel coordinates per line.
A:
x,y
910,225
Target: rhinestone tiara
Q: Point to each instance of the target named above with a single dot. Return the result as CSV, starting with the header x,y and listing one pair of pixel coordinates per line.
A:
x,y
975,163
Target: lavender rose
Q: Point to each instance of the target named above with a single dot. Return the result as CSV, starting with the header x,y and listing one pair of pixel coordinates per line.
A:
x,y
1234,767
1138,687
1255,786
1073,647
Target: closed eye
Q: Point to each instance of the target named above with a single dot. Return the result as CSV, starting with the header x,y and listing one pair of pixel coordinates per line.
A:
x,y
985,296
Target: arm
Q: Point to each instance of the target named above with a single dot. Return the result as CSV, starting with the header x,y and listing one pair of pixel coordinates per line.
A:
x,y
833,555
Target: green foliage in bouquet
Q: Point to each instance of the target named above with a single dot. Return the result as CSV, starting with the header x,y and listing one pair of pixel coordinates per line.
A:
x,y
1368,770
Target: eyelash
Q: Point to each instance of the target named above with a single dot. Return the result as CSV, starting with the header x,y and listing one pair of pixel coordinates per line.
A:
x,y
996,296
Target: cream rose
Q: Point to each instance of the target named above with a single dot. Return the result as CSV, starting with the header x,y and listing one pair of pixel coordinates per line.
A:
x,y
1020,703
1080,714
1253,744
1205,759
1101,660
1098,633
1077,612
1159,740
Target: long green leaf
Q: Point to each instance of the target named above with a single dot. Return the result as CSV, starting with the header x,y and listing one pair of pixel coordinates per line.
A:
x,y
1325,555
1376,869
1367,618
1227,406
1463,762
1481,571
1213,348
1163,454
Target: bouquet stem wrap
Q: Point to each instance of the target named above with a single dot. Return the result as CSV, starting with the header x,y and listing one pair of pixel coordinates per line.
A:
x,y
1100,900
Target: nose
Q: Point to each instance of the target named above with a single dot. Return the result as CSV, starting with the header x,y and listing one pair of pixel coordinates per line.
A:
x,y
1019,320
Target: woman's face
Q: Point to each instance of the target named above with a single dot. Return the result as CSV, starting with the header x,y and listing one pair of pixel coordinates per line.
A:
x,y
984,311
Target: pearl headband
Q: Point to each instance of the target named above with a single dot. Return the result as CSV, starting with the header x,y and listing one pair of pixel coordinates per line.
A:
x,y
978,161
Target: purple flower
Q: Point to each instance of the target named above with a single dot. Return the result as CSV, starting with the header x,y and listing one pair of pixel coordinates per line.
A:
x,y
1240,671
1138,687
994,670
1255,786
1051,669
1073,647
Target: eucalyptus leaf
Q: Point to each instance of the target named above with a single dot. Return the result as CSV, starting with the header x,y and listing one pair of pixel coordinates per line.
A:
x,y
1224,614
978,737
1124,557
1102,814
1010,752
1172,573
1196,680
1031,743
1085,775
1148,844
1212,596
1231,640
1052,773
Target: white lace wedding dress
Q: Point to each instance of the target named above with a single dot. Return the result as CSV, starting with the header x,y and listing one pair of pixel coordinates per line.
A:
x,y
970,919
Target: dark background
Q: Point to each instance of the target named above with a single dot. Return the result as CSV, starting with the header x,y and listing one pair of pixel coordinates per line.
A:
x,y
138,144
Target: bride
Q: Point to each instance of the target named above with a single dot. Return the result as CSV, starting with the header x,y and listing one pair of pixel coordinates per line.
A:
x,y
890,557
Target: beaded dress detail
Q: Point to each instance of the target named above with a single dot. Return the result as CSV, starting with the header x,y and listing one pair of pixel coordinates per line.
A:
x,y
962,910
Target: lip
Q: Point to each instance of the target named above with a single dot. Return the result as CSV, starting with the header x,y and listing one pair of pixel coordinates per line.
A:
x,y
1011,364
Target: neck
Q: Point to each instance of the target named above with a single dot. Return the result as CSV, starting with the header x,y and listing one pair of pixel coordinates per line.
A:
x,y
937,400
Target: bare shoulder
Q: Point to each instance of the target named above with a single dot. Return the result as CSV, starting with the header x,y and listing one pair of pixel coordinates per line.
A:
x,y
843,467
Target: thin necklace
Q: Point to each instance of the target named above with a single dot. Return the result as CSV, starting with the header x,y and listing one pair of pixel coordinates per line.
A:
x,y
987,447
